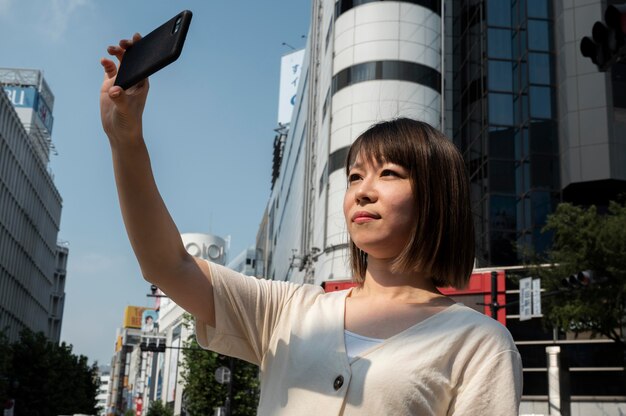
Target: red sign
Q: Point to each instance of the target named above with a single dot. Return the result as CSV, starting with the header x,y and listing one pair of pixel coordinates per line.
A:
x,y
138,405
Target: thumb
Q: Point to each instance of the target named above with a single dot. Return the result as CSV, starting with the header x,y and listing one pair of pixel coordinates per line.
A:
x,y
116,94
119,98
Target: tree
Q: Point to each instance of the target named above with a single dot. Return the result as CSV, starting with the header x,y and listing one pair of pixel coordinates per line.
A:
x,y
584,239
50,379
203,393
5,369
158,409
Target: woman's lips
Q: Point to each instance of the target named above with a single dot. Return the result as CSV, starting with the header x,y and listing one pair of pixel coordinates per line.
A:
x,y
364,216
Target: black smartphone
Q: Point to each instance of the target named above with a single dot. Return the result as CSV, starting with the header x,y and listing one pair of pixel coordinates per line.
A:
x,y
154,51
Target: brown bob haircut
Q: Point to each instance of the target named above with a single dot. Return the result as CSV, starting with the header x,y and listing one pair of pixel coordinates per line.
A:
x,y
442,242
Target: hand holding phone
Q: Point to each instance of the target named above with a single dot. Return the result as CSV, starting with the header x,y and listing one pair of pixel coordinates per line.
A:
x,y
155,51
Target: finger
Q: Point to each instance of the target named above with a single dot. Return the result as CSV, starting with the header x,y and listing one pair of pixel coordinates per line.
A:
x,y
116,93
127,43
115,51
110,69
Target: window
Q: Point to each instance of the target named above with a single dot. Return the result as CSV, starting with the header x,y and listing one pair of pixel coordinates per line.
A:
x,y
498,13
538,8
343,6
395,70
538,35
501,109
500,76
541,102
499,44
539,68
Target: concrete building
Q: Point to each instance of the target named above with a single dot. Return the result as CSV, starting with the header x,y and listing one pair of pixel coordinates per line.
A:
x,y
141,376
364,62
104,373
32,265
536,123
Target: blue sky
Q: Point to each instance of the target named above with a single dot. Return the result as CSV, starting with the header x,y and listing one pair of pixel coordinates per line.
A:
x,y
208,123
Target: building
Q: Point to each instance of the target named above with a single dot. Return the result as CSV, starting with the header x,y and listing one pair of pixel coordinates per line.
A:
x,y
364,62
535,122
32,264
104,373
148,358
247,262
122,382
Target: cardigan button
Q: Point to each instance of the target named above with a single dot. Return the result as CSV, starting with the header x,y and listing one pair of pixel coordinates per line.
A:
x,y
338,382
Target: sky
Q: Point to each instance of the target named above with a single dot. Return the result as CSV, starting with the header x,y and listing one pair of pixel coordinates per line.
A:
x,y
208,125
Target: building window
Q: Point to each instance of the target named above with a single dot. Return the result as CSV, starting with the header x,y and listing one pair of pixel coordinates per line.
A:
x,y
387,70
500,76
538,8
541,102
498,13
501,109
538,35
343,6
539,68
499,43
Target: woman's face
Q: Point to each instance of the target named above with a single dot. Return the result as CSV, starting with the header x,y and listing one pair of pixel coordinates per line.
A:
x,y
379,207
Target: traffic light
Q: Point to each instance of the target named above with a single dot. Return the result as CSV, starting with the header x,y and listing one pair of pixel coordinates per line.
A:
x,y
152,344
607,43
580,280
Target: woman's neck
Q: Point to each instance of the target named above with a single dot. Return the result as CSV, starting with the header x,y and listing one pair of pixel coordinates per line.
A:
x,y
382,281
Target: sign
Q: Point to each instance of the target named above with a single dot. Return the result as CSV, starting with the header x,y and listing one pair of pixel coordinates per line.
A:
x,y
222,375
22,97
149,319
525,298
132,316
138,406
205,246
537,298
290,69
29,97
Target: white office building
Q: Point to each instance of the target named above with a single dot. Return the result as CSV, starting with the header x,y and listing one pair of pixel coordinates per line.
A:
x,y
32,264
365,61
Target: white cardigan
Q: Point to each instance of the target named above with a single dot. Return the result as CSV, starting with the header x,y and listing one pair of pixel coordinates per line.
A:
x,y
457,362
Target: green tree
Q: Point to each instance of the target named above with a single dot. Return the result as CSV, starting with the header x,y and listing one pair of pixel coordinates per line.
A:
x,y
5,369
203,393
585,239
158,409
52,380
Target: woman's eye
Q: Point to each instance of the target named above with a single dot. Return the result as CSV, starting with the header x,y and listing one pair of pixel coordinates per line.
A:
x,y
389,172
353,177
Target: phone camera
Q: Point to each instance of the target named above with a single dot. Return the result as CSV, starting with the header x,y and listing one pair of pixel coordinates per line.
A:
x,y
177,24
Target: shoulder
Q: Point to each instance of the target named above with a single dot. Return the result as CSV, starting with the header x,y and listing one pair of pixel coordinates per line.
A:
x,y
479,329
228,279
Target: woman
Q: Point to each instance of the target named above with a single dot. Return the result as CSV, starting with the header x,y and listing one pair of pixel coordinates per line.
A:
x,y
394,345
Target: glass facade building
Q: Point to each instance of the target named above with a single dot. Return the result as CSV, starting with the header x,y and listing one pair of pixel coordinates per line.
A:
x,y
504,121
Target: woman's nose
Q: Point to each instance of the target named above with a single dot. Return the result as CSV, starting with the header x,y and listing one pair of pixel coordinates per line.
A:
x,y
366,192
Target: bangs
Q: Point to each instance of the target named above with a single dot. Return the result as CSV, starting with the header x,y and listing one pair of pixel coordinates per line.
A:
x,y
380,144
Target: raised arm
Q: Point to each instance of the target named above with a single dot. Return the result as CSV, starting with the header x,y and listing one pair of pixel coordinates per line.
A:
x,y
153,235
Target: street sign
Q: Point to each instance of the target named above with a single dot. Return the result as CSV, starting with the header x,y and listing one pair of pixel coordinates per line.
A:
x,y
536,298
222,375
525,298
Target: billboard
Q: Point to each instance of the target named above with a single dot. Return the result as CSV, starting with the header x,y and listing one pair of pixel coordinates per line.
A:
x,y
205,246
290,68
149,322
132,316
29,98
